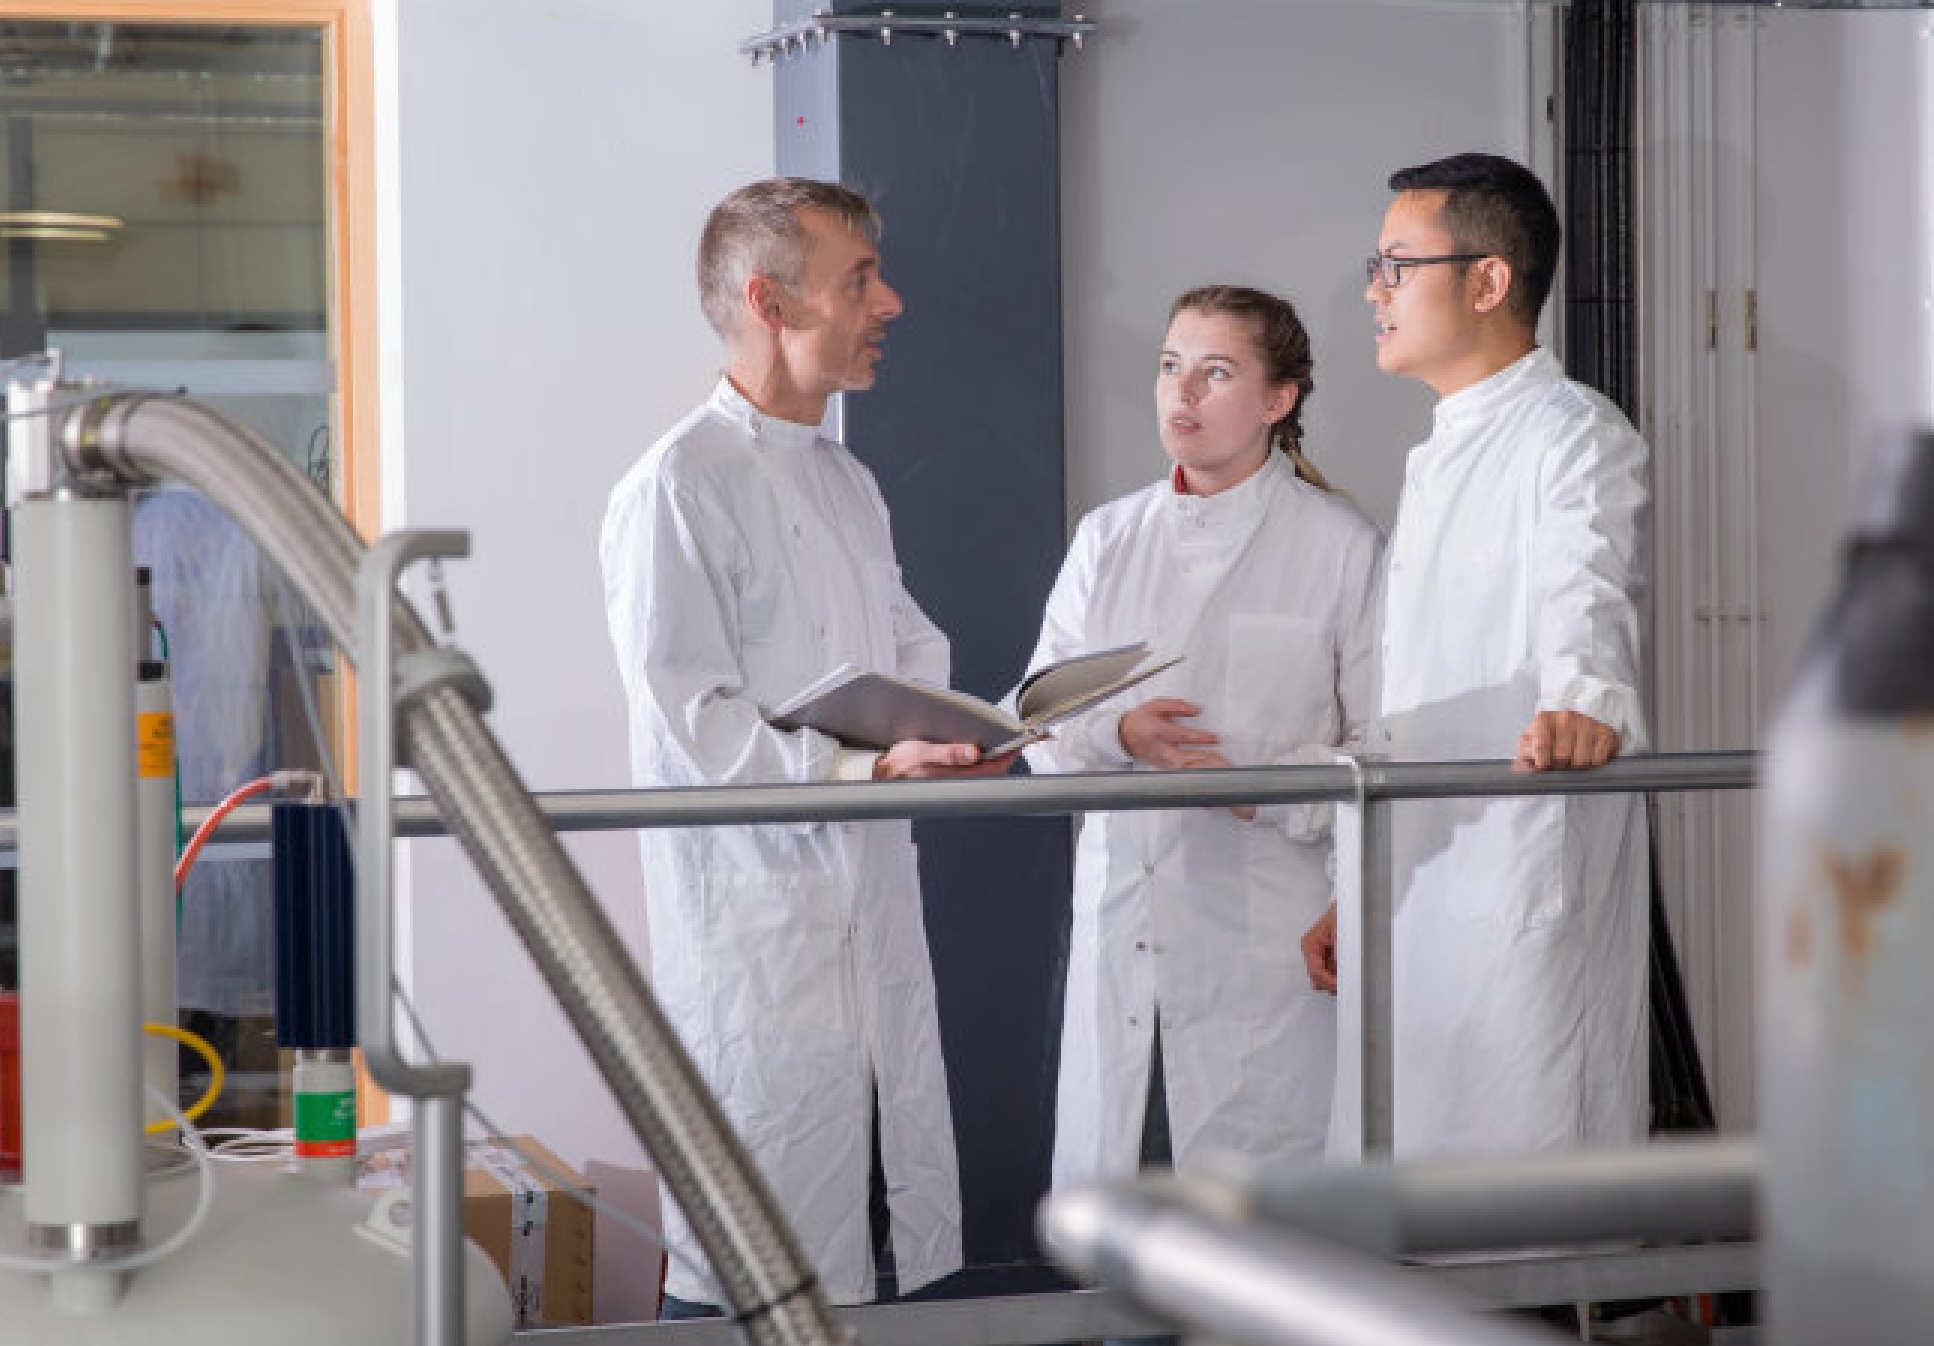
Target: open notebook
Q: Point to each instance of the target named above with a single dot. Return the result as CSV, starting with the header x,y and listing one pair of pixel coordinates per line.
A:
x,y
877,710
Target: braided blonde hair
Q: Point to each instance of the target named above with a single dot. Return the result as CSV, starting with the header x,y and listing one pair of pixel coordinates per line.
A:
x,y
1284,344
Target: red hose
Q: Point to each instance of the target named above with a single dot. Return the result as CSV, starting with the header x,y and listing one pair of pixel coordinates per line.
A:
x,y
240,796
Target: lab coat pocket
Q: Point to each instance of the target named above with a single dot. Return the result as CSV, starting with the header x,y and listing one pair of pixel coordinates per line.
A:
x,y
1280,684
1507,868
776,972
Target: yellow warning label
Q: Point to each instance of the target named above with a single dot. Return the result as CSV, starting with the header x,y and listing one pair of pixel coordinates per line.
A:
x,y
154,737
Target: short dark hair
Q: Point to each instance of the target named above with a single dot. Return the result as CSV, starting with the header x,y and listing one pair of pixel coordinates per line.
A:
x,y
1497,207
756,231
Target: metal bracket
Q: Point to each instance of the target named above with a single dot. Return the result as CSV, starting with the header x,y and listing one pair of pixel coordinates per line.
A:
x,y
1015,29
440,666
438,1089
33,468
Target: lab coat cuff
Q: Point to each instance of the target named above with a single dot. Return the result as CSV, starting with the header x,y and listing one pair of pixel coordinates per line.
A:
x,y
1299,822
1607,702
1104,736
849,765
1310,821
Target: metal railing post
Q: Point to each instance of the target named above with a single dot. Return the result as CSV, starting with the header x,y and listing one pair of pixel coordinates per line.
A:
x,y
437,1090
1374,989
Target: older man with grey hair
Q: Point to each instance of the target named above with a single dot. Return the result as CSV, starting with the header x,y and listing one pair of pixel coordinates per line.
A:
x,y
746,555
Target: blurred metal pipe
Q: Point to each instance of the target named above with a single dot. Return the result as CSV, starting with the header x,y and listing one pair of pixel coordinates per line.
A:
x,y
1260,1287
1704,1189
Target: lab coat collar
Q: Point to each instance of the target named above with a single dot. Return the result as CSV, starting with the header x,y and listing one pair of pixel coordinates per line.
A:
x,y
1482,399
1232,510
769,431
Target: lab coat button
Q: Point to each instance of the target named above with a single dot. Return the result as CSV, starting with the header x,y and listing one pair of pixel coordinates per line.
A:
x,y
1148,869
1141,946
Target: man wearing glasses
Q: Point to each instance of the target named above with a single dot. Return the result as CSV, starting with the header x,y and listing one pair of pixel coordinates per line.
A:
x,y
1510,627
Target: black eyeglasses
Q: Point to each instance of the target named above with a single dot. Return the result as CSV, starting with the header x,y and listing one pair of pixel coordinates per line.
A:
x,y
1386,270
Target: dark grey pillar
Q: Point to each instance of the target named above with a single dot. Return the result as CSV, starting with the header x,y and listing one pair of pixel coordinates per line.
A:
x,y
959,149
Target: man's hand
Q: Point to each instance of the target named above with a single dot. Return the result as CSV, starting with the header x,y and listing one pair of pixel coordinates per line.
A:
x,y
916,759
1564,739
1319,952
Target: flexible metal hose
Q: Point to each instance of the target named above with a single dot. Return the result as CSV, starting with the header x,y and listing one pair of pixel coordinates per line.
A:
x,y
768,1283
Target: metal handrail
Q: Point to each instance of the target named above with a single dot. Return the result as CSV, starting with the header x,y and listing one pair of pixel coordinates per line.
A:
x,y
1234,1281
1668,1191
723,805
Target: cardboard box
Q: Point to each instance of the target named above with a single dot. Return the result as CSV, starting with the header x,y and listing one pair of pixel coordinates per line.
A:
x,y
538,1233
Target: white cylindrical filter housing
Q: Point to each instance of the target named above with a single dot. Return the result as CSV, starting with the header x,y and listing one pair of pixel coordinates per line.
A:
x,y
1847,1087
80,985
1846,941
154,850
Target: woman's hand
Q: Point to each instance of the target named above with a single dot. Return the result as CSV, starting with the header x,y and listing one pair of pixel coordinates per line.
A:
x,y
1152,733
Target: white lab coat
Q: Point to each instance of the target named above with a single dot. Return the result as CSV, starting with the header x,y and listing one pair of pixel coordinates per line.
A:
x,y
743,558
1520,931
1268,590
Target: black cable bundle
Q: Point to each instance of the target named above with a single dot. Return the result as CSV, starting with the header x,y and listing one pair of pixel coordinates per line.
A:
x,y
1601,347
1601,67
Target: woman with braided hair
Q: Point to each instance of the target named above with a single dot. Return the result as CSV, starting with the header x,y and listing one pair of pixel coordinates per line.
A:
x,y
1189,1024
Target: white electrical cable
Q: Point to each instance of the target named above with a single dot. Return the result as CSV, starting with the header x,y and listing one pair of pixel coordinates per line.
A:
x,y
204,1202
248,1145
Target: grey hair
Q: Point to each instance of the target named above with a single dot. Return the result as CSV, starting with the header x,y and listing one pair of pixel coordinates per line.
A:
x,y
756,231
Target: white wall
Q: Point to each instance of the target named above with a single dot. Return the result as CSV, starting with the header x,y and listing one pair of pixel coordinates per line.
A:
x,y
1846,312
553,163
1249,141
